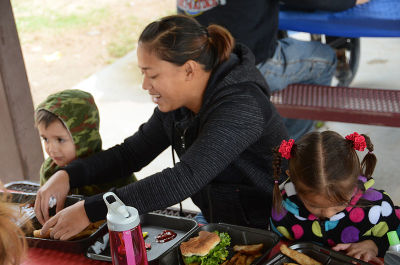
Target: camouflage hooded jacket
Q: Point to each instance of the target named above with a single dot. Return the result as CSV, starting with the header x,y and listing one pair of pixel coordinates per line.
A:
x,y
78,112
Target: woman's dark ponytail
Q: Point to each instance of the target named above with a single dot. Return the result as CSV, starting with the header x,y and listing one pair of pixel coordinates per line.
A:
x,y
221,41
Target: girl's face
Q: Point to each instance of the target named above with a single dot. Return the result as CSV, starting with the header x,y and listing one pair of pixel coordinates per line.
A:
x,y
166,83
58,142
320,206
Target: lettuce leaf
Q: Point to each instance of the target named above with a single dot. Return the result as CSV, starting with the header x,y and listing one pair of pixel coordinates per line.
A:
x,y
217,255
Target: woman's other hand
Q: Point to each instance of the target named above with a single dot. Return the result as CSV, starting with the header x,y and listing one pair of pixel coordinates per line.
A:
x,y
68,222
365,250
360,2
57,187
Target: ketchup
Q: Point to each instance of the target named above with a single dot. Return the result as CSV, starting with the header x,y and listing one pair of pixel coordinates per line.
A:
x,y
165,236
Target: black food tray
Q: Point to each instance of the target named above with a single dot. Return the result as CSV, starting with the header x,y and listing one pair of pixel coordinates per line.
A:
x,y
154,224
240,235
23,186
324,255
76,246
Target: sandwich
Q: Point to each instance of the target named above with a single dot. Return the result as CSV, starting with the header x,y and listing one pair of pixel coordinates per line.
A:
x,y
209,248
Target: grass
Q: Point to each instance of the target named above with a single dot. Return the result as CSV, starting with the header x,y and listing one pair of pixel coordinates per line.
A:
x,y
125,39
33,19
51,20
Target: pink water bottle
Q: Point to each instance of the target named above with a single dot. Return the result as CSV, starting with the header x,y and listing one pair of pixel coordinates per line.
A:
x,y
126,239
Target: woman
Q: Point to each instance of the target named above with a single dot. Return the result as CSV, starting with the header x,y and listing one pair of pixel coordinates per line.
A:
x,y
213,109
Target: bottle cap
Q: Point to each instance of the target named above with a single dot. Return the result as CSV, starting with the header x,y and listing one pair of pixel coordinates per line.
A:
x,y
393,238
120,217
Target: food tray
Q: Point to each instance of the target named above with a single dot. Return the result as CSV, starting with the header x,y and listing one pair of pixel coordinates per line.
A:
x,y
76,246
23,186
324,255
240,235
154,224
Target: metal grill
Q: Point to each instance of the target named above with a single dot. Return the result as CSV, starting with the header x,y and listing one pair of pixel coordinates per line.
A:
x,y
175,212
344,104
23,186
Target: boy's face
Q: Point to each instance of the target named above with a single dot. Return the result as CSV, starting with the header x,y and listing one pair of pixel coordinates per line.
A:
x,y
58,142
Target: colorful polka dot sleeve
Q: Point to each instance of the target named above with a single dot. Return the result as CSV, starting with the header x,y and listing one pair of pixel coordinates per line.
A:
x,y
371,216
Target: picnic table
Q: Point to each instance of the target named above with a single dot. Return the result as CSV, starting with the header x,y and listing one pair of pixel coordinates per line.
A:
x,y
43,256
377,18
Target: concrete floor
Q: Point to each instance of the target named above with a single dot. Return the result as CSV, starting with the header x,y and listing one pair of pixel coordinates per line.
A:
x,y
124,106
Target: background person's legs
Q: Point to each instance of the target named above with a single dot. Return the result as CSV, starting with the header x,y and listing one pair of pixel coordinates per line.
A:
x,y
295,61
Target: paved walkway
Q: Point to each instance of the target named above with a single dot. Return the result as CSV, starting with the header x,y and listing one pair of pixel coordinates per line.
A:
x,y
124,106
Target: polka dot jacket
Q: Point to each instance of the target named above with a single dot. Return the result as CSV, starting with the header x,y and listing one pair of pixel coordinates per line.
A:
x,y
370,215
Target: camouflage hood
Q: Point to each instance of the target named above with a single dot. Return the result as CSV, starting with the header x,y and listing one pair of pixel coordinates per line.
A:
x,y
79,113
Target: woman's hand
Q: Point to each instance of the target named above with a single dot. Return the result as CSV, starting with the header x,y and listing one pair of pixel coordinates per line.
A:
x,y
360,2
365,250
57,186
68,222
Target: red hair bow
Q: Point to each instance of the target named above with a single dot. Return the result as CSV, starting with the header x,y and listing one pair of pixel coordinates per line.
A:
x,y
286,148
359,143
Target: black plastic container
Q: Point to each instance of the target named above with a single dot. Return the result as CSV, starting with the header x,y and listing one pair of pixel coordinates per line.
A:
x,y
23,186
76,246
240,235
324,255
154,224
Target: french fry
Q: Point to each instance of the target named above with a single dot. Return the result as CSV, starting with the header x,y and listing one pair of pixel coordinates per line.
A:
x,y
249,249
245,254
241,260
250,259
299,257
36,233
234,259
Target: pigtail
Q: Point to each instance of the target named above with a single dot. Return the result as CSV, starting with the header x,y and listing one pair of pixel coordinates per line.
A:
x,y
369,161
276,166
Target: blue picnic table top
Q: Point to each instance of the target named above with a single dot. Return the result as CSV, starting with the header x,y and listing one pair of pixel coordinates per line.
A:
x,y
377,18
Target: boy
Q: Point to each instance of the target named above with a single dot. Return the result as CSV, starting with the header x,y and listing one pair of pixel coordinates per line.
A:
x,y
68,122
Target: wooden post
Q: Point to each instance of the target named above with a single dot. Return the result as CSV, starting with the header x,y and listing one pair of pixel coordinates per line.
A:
x,y
20,150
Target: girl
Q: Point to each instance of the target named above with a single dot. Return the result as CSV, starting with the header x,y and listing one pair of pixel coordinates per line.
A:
x,y
329,197
213,109
13,245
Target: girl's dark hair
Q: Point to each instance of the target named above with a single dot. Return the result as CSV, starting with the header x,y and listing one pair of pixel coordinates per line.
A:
x,y
324,163
180,38
45,117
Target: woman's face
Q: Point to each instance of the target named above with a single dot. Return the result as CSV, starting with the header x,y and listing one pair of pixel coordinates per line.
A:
x,y
166,83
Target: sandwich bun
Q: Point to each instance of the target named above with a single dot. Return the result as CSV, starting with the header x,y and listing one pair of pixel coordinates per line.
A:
x,y
200,245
